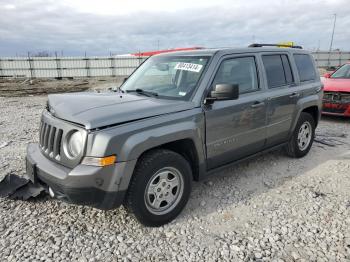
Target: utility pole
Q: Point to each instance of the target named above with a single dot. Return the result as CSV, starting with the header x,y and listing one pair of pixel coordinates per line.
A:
x,y
331,45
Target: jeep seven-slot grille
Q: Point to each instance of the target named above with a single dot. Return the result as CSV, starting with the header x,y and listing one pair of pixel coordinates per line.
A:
x,y
50,140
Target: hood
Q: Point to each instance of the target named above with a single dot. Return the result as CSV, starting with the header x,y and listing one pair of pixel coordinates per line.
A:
x,y
102,109
336,85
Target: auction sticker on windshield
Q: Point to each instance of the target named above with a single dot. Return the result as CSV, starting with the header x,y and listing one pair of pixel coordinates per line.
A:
x,y
189,67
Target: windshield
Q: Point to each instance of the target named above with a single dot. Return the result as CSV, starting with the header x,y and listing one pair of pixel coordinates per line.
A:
x,y
173,77
342,72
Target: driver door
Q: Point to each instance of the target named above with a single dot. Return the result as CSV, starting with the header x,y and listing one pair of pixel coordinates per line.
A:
x,y
236,128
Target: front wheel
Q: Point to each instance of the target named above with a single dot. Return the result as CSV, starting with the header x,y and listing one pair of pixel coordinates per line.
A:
x,y
303,136
160,187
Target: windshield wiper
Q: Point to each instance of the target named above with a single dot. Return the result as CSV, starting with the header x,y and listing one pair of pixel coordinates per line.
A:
x,y
143,92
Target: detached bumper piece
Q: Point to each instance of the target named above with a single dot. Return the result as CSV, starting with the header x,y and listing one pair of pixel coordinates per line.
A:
x,y
20,188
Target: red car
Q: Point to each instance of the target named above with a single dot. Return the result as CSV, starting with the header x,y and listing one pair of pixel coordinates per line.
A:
x,y
336,99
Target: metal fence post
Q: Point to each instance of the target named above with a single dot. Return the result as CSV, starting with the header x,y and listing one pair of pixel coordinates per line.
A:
x,y
31,67
1,72
139,59
87,66
113,68
58,67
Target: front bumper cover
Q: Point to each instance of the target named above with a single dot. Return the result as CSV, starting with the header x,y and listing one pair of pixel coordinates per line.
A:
x,y
336,108
98,187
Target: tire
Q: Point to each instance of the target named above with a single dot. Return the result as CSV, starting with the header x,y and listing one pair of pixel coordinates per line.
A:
x,y
153,196
295,147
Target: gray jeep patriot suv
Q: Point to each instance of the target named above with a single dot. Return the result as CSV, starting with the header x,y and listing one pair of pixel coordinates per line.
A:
x,y
179,117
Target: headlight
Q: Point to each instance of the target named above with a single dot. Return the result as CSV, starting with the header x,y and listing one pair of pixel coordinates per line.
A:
x,y
75,144
345,97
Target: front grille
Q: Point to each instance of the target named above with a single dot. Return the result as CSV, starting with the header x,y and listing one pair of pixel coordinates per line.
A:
x,y
52,136
343,97
50,140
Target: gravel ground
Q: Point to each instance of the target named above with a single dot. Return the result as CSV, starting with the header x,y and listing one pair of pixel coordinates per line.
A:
x,y
13,87
272,208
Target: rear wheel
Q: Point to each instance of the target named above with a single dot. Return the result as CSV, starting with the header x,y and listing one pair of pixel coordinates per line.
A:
x,y
160,187
303,136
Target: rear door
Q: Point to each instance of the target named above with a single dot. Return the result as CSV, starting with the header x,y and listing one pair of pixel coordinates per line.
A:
x,y
236,128
282,96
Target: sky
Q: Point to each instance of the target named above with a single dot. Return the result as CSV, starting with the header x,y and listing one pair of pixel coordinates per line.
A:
x,y
73,27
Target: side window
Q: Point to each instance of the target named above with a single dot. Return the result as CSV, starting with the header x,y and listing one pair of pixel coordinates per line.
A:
x,y
305,67
287,69
241,71
278,70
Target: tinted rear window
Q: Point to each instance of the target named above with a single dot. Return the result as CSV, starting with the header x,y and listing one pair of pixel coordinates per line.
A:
x,y
305,67
287,69
278,70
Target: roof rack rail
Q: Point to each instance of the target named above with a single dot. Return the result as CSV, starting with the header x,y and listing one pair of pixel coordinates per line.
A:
x,y
277,45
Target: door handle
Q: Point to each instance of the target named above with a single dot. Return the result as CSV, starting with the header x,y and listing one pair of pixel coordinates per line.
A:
x,y
294,95
257,104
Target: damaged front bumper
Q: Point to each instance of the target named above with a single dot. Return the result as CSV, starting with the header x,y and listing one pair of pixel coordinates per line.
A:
x,y
336,108
83,185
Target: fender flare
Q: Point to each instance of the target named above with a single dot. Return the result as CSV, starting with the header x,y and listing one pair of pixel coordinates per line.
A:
x,y
139,143
304,103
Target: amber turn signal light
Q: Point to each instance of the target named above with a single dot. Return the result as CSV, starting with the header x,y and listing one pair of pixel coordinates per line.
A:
x,y
99,161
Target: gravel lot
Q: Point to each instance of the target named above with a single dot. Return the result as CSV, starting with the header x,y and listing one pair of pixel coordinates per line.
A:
x,y
271,208
13,87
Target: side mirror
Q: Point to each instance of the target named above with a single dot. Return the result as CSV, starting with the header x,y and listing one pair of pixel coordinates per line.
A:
x,y
224,92
327,75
